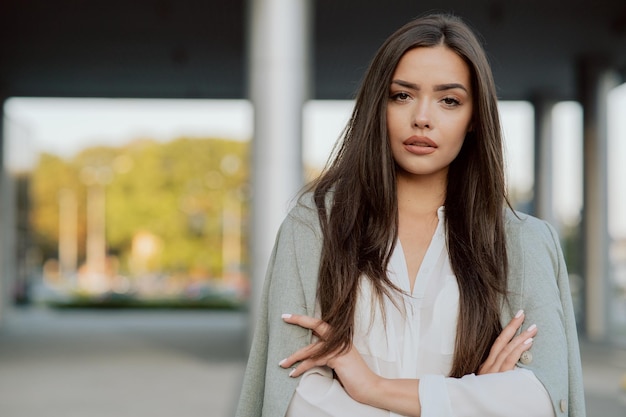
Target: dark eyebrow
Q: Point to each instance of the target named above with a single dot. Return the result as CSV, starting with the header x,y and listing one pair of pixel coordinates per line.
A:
x,y
451,86
439,87
406,84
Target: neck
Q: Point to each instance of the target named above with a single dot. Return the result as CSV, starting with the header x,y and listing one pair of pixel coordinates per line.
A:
x,y
421,194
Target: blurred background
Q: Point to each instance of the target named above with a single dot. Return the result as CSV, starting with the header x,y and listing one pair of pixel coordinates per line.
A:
x,y
150,150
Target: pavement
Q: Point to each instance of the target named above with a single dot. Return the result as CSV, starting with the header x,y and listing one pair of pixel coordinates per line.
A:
x,y
64,363
94,363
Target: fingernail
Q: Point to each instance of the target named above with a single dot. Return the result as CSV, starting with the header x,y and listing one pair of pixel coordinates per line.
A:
x,y
286,316
528,341
519,314
531,328
281,362
292,372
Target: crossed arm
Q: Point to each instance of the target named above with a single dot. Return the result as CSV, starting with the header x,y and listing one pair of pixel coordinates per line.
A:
x,y
397,395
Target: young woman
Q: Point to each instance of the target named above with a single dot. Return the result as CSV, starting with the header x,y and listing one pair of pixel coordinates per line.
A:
x,y
400,283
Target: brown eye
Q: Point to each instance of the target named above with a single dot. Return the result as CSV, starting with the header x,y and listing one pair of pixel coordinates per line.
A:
x,y
451,102
400,96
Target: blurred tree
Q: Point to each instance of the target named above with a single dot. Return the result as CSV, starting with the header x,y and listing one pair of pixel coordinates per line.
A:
x,y
50,176
174,191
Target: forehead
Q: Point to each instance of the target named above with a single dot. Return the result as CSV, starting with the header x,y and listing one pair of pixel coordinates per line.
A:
x,y
437,64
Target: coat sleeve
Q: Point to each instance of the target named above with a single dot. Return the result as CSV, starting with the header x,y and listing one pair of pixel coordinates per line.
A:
x,y
251,396
576,406
289,287
539,284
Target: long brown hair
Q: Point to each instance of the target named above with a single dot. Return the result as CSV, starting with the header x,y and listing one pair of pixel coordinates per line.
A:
x,y
360,223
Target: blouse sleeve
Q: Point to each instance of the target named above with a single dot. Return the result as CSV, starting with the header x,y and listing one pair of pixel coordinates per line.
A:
x,y
516,393
320,395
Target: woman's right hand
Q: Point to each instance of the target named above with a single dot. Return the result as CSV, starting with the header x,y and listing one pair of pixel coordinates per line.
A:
x,y
352,372
508,348
400,396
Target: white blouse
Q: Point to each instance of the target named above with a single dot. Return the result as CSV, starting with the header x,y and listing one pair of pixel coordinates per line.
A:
x,y
416,340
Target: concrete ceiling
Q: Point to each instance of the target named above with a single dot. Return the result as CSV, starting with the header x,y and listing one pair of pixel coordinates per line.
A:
x,y
197,49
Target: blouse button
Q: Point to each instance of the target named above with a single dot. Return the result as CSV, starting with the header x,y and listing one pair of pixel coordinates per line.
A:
x,y
563,405
526,358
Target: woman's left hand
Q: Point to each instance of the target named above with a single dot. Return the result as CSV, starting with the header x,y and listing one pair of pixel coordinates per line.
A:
x,y
350,368
508,348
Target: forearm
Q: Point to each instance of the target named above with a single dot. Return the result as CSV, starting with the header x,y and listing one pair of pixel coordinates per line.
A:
x,y
469,396
511,393
398,395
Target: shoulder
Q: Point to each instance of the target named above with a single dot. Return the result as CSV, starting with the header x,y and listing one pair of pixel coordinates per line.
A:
x,y
530,235
526,227
535,259
299,241
303,217
533,247
304,208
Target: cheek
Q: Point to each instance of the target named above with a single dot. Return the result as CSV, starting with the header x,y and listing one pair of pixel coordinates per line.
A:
x,y
460,126
389,117
460,138
469,120
394,121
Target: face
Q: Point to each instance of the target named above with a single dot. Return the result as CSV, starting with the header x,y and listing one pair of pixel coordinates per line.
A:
x,y
429,110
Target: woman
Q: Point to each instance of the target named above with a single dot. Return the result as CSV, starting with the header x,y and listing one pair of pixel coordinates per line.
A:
x,y
399,284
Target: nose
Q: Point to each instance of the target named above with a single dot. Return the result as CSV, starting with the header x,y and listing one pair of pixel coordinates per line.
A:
x,y
421,117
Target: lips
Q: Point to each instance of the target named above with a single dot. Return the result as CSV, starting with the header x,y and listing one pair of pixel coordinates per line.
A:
x,y
419,145
421,141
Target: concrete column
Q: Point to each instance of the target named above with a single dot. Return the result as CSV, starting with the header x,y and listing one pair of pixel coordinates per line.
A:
x,y
68,241
96,237
3,224
279,78
7,221
543,201
596,80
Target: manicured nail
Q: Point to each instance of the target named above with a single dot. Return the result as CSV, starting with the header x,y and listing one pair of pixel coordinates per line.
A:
x,y
292,372
286,316
528,341
519,314
281,362
531,328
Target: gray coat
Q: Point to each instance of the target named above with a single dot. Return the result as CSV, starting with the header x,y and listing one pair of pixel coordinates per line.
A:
x,y
538,283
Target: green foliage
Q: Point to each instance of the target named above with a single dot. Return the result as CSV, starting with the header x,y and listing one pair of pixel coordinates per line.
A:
x,y
48,179
173,191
